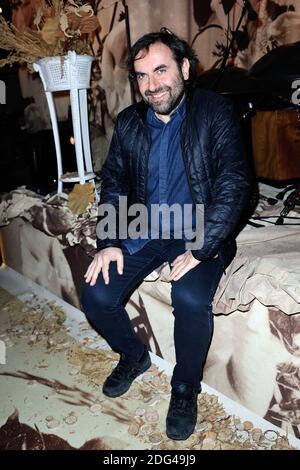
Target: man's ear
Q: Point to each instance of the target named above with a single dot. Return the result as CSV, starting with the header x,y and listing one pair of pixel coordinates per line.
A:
x,y
185,68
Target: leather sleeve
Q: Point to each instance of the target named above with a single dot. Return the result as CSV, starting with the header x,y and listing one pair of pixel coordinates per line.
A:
x,y
231,187
114,183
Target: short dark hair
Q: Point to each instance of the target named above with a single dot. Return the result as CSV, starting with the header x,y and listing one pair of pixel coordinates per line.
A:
x,y
179,47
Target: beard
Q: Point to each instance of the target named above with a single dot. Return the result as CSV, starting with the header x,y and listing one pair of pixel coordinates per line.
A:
x,y
169,101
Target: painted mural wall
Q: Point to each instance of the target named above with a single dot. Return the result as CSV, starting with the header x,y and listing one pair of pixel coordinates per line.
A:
x,y
205,24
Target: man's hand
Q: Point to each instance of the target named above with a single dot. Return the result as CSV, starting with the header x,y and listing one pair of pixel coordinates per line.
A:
x,y
101,263
182,264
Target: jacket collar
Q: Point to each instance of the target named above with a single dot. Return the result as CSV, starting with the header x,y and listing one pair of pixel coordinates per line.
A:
x,y
141,108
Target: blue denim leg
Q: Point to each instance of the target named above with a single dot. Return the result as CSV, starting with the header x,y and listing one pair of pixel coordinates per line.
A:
x,y
192,297
104,304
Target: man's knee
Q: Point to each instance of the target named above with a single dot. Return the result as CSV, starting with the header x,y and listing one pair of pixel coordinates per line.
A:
x,y
190,303
94,300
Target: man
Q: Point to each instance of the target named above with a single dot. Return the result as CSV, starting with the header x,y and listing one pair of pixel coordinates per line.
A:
x,y
178,145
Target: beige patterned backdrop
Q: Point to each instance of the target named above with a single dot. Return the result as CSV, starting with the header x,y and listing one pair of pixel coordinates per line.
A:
x,y
206,24
203,24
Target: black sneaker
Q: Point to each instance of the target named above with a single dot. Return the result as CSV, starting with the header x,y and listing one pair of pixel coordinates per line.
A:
x,y
119,381
182,413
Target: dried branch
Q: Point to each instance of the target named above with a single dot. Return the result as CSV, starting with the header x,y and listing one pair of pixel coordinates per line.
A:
x,y
66,25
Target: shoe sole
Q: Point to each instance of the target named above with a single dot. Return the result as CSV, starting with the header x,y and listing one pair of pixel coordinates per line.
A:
x,y
184,437
115,395
176,438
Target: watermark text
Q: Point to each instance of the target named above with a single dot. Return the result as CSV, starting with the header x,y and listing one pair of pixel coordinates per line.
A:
x,y
296,94
2,352
159,221
2,92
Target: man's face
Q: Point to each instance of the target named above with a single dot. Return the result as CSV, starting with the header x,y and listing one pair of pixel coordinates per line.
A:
x,y
160,81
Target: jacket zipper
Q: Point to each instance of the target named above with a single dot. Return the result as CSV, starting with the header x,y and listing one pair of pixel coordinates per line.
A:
x,y
146,160
184,163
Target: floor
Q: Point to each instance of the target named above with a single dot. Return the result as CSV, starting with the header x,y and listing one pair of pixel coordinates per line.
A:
x,y
52,365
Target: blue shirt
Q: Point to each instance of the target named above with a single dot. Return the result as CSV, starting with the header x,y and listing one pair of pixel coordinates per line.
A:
x,y
167,181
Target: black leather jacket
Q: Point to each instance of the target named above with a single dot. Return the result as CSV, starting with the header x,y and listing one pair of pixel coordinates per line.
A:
x,y
213,157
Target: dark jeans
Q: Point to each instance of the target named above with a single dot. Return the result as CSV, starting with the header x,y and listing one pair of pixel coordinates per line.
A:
x,y
192,297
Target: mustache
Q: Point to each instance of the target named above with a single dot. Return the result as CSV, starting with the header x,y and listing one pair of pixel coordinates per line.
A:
x,y
158,90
